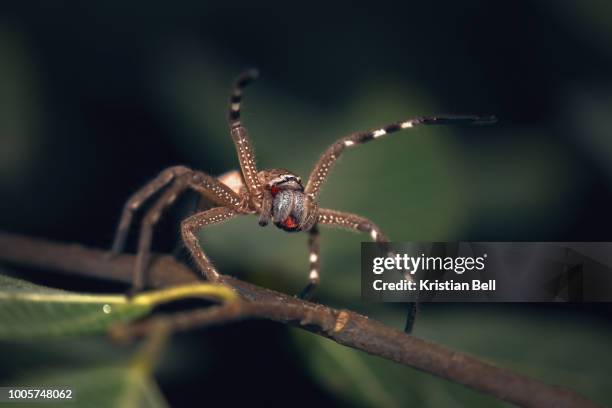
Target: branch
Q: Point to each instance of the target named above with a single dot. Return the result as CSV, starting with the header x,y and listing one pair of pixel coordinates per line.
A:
x,y
343,326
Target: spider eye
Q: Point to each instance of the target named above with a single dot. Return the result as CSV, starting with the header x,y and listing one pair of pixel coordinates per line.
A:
x,y
274,190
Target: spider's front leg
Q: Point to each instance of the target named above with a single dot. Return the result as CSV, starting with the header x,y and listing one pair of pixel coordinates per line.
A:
x,y
354,222
328,159
340,220
191,225
242,140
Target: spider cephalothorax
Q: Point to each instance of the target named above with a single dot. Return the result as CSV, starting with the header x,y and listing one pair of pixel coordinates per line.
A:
x,y
285,202
276,194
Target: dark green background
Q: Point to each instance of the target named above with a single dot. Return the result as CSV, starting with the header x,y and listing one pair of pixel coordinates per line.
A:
x,y
97,97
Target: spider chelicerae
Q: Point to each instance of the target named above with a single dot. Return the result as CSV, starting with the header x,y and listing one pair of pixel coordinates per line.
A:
x,y
276,195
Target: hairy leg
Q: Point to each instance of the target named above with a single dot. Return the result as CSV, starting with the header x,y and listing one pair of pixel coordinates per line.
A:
x,y
219,193
196,222
315,262
241,138
202,183
354,222
351,222
327,160
146,231
138,199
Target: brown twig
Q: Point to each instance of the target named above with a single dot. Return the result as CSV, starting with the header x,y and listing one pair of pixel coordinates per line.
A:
x,y
345,327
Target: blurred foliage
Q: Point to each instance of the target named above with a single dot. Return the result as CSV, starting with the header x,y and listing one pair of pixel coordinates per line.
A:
x,y
31,313
369,381
96,99
542,350
120,386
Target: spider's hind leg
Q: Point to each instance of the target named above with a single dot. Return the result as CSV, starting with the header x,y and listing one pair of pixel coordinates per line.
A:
x,y
137,200
313,258
146,231
413,309
205,185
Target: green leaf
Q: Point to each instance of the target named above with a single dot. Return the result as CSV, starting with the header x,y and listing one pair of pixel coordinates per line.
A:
x,y
106,381
31,311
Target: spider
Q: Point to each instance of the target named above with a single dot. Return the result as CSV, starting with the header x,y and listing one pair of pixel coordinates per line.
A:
x,y
276,195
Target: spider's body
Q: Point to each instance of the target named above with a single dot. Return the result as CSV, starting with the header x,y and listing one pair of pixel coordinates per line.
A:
x,y
276,195
283,199
285,202
292,210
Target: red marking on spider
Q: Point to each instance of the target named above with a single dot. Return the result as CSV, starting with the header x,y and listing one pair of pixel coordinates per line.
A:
x,y
274,190
290,222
